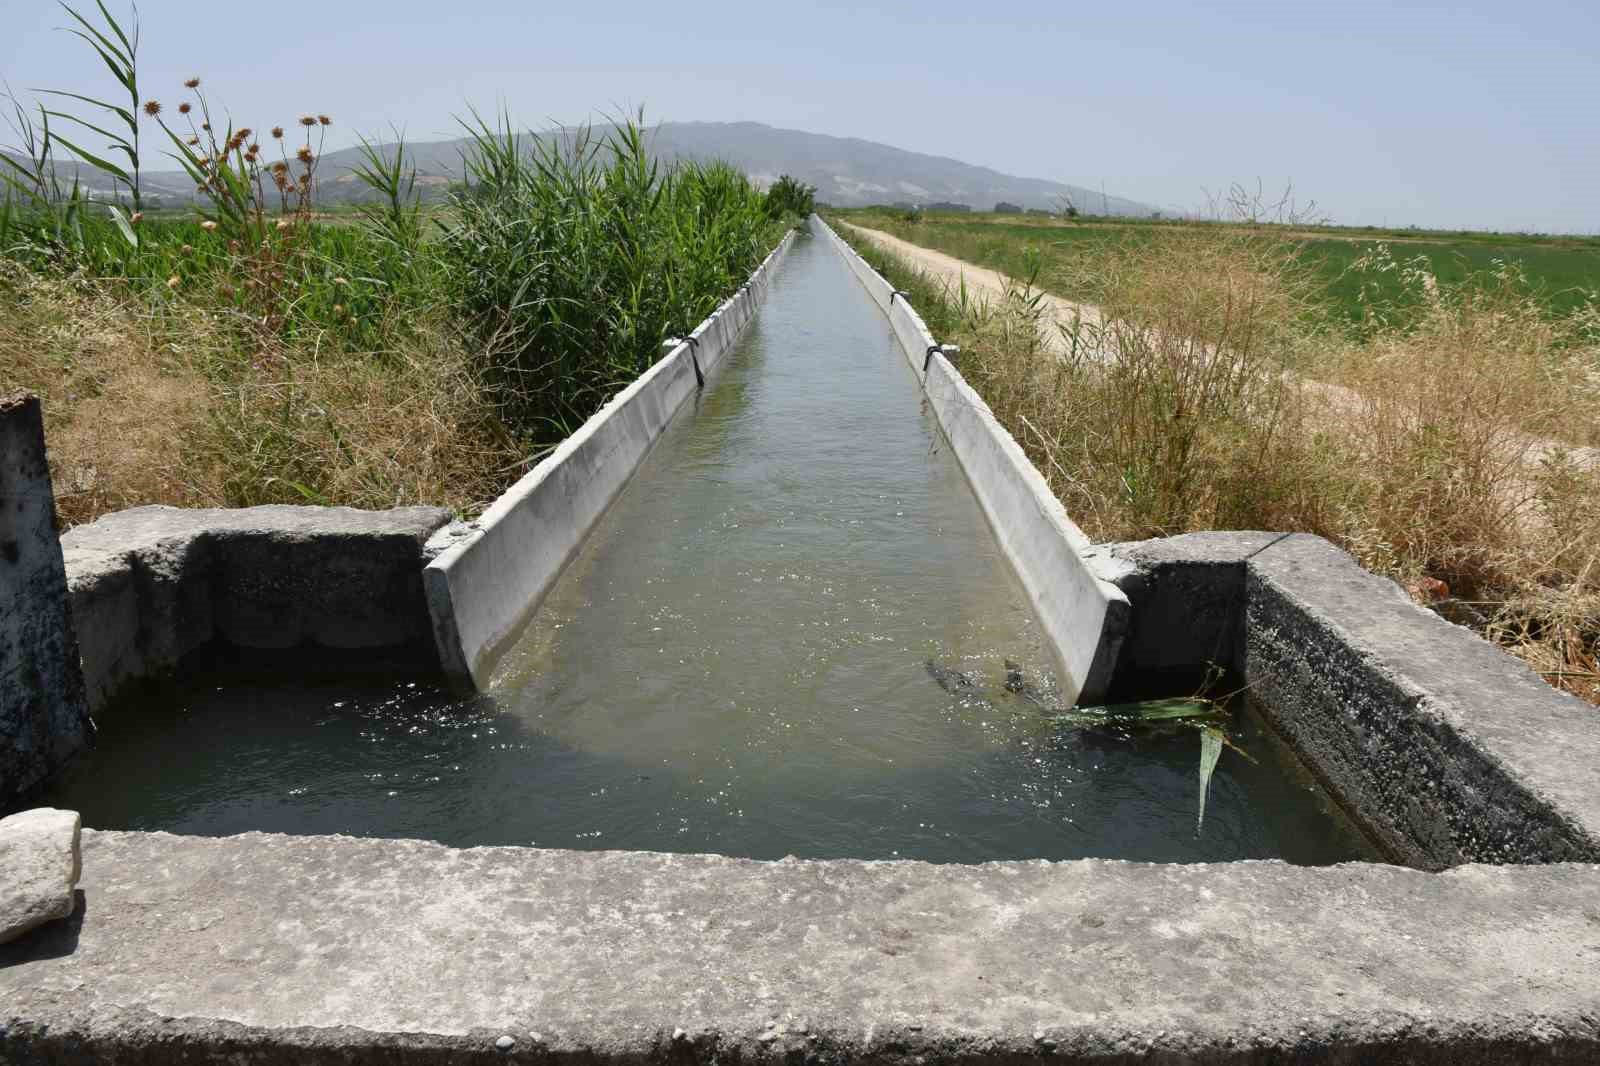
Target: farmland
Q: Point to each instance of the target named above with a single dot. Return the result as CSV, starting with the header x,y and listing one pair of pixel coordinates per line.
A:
x,y
1564,271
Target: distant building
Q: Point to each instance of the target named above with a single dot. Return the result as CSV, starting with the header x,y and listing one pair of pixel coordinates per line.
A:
x,y
943,205
1003,208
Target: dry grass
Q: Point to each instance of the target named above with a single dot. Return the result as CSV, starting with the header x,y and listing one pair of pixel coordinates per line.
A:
x,y
117,409
161,402
1191,405
1175,409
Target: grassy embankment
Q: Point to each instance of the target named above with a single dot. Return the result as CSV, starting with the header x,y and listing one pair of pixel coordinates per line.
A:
x,y
254,350
1429,466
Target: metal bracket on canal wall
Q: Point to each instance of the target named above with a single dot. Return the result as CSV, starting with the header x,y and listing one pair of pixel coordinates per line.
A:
x,y
1070,583
484,586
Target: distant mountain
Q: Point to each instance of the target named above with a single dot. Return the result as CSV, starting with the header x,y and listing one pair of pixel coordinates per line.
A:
x,y
850,172
847,171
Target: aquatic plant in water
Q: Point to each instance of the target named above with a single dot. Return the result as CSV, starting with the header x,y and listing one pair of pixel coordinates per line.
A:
x,y
1206,716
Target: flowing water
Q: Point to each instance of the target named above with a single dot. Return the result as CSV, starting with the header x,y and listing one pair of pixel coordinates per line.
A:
x,y
790,635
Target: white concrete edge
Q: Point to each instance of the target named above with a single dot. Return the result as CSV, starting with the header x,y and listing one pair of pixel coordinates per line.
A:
x,y
1069,581
483,587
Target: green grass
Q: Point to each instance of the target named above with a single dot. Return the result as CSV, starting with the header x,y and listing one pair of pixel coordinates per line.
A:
x,y
1564,272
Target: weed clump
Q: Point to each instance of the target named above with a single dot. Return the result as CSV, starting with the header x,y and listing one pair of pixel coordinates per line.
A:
x,y
574,256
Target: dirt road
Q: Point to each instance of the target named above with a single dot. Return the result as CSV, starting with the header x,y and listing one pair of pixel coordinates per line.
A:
x,y
989,284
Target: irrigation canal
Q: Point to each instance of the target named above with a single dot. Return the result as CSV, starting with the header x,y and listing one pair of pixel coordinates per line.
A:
x,y
789,635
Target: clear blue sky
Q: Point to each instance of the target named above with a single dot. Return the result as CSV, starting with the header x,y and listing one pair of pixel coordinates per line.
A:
x,y
1471,114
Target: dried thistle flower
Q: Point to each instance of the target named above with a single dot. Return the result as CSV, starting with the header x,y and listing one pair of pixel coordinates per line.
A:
x,y
280,167
186,249
304,155
192,83
208,225
194,140
206,126
255,148
307,120
277,131
185,107
172,282
250,156
324,120
244,134
152,107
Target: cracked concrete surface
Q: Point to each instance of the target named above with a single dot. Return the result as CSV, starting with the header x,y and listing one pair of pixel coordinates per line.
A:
x,y
309,949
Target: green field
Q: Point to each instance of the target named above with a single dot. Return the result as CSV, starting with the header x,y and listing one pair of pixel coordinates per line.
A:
x,y
1564,271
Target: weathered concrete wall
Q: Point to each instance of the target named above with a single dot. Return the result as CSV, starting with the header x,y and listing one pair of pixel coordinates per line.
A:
x,y
309,950
1071,586
1444,748
151,584
44,719
484,586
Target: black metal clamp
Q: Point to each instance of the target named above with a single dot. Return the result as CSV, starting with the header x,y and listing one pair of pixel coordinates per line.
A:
x,y
943,349
699,378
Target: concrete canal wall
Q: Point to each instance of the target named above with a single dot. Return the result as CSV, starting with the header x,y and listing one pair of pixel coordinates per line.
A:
x,y
149,585
1071,585
1444,748
44,719
487,582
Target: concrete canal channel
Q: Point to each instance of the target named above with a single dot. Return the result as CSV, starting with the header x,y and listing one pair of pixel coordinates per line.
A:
x,y
830,618
788,635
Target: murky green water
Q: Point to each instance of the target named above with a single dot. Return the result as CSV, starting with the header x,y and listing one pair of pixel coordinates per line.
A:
x,y
738,662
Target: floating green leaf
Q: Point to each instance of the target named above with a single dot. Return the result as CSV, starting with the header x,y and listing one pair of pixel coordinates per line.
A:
x,y
1167,710
1211,742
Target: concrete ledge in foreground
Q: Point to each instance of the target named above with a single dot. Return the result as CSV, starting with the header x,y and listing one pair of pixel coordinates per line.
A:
x,y
267,949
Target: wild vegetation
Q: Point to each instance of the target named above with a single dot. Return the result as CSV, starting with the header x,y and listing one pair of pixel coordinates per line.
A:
x,y
1448,442
256,349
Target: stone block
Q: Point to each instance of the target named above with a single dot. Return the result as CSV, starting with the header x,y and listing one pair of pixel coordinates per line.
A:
x,y
44,718
40,863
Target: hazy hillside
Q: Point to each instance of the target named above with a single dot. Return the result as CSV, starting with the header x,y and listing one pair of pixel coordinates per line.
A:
x,y
846,171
